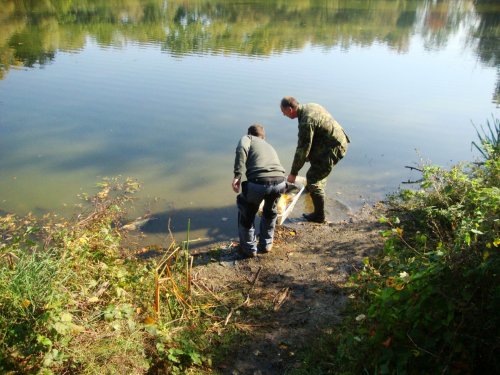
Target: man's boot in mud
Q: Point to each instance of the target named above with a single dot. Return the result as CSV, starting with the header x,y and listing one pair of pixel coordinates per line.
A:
x,y
318,216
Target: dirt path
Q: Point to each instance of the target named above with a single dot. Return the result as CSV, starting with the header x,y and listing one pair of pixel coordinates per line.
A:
x,y
296,289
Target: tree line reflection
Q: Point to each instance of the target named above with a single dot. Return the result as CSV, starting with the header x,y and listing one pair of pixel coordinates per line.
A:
x,y
32,32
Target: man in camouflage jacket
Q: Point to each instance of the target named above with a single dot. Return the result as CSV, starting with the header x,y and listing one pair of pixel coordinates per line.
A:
x,y
322,142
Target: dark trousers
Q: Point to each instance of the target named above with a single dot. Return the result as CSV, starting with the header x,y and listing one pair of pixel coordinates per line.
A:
x,y
248,202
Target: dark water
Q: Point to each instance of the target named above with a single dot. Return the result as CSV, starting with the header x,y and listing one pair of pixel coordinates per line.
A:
x,y
162,91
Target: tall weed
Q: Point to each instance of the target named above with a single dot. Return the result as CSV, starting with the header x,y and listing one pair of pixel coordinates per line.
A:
x,y
489,139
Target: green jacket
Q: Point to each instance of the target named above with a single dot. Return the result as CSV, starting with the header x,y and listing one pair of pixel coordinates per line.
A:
x,y
258,158
319,134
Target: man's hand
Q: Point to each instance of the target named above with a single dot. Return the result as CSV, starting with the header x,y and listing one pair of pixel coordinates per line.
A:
x,y
291,178
236,185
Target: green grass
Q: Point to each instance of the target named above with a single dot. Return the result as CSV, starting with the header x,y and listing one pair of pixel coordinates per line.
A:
x,y
72,302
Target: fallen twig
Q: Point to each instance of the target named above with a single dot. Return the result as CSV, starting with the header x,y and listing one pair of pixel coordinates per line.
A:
x,y
234,309
206,288
280,298
11,258
309,309
413,168
252,284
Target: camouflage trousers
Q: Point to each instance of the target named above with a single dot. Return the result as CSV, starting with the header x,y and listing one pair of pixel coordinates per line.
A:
x,y
319,171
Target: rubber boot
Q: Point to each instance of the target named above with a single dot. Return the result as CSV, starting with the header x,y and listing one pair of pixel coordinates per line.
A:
x,y
318,216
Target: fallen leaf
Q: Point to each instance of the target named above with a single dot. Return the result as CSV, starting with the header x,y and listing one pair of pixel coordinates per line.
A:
x,y
360,317
280,298
76,329
283,345
387,342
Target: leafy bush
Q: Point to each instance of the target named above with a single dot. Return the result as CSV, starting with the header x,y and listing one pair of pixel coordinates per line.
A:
x,y
429,303
71,301
56,278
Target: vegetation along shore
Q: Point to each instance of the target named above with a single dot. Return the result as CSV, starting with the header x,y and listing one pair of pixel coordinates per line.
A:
x,y
408,286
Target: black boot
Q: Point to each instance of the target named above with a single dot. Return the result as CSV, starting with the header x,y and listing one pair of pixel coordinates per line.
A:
x,y
318,216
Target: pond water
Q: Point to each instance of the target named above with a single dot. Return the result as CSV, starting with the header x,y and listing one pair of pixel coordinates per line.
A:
x,y
161,91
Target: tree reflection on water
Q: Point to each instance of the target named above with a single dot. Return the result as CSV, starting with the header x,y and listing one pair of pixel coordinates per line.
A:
x,y
32,32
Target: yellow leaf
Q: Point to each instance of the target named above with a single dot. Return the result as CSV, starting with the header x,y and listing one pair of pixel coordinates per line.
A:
x,y
149,320
293,233
76,329
104,193
390,282
26,303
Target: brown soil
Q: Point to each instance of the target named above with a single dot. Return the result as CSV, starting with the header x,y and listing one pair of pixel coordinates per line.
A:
x,y
297,288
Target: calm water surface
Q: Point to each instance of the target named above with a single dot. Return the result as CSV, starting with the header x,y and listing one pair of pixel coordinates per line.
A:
x,y
162,91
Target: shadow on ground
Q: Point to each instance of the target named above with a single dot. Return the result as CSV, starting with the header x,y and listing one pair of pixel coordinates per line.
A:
x,y
215,226
294,294
206,225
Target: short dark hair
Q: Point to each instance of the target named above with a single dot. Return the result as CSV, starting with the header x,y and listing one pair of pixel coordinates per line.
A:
x,y
289,102
257,130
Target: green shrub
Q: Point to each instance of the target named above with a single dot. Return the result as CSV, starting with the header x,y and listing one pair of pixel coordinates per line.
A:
x,y
73,301
50,275
429,302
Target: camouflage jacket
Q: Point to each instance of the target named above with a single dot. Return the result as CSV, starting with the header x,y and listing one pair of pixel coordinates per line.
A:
x,y
319,133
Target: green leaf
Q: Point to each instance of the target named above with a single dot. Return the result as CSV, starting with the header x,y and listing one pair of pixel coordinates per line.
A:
x,y
173,354
196,358
45,341
61,328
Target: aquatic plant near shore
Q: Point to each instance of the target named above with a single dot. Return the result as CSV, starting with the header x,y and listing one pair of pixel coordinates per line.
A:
x,y
489,140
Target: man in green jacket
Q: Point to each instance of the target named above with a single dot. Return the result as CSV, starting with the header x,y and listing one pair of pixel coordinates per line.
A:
x,y
322,142
265,182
